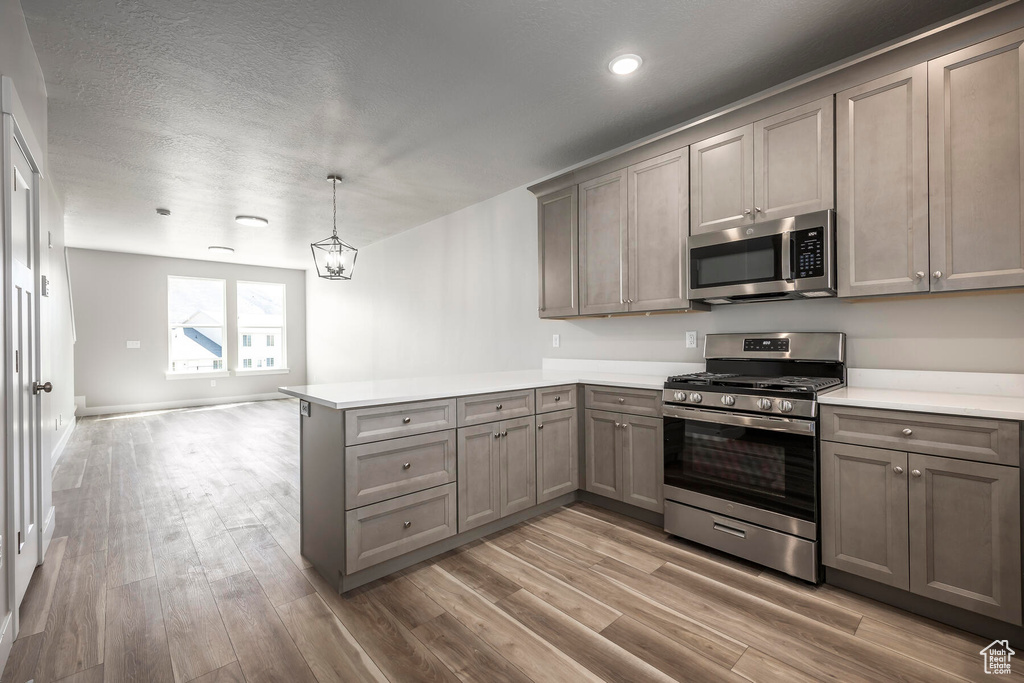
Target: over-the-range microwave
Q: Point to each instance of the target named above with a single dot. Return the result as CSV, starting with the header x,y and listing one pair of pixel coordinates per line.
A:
x,y
789,258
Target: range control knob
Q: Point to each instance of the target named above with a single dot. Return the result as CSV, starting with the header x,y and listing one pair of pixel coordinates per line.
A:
x,y
728,400
696,398
680,396
786,406
764,403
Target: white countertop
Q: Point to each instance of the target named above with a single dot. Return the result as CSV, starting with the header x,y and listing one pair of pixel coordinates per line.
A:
x,y
972,405
380,392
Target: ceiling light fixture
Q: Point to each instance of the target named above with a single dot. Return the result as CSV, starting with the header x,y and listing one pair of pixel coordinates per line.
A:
x,y
163,212
251,221
221,250
334,259
625,64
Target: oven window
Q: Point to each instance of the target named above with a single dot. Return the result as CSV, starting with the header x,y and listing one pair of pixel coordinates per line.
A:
x,y
771,470
743,261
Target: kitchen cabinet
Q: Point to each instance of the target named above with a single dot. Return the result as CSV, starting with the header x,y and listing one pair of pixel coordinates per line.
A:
x,y
557,223
602,249
777,167
496,470
976,161
624,458
882,185
558,454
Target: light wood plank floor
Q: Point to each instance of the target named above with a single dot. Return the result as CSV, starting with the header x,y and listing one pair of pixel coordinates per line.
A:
x,y
176,558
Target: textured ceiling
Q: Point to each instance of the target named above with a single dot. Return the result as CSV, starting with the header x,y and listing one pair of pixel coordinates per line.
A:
x,y
213,109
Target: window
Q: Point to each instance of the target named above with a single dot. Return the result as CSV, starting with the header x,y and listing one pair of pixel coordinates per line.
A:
x,y
261,325
195,315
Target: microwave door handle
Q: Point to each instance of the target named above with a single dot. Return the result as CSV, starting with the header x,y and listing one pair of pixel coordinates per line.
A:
x,y
788,256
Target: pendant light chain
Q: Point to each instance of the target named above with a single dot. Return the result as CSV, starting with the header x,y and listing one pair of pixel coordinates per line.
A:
x,y
334,183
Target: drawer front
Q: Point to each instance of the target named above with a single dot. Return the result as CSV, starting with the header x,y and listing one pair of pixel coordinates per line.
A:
x,y
551,399
967,438
388,469
484,408
365,425
631,401
379,532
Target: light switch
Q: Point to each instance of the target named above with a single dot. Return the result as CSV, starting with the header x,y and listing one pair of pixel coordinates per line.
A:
x,y
133,344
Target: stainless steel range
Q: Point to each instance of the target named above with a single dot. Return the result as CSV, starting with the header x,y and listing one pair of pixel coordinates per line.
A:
x,y
741,446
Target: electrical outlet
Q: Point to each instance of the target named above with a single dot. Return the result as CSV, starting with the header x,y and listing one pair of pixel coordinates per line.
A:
x,y
133,344
213,382
691,339
556,340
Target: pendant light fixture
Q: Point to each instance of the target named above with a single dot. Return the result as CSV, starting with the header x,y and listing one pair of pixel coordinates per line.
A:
x,y
333,258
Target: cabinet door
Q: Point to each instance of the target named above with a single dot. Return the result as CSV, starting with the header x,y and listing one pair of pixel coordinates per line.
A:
x,y
643,462
965,535
558,455
602,459
557,226
976,160
478,476
603,262
793,159
518,465
659,222
882,185
722,181
864,512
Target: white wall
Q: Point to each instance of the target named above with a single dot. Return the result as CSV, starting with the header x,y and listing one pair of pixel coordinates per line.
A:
x,y
120,297
459,294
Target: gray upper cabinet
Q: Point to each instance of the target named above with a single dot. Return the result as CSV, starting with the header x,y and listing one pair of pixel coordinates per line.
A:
x,y
965,535
882,185
658,226
604,266
976,158
479,499
558,223
864,527
517,459
643,462
793,161
722,181
558,455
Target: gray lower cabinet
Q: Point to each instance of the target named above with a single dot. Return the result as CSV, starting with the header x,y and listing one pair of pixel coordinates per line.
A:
x,y
882,185
557,225
602,249
624,458
558,455
497,470
864,512
965,535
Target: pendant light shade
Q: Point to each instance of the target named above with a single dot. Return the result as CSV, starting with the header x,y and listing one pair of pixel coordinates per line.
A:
x,y
334,259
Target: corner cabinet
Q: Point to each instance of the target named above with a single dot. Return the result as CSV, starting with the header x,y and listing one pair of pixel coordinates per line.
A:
x,y
557,241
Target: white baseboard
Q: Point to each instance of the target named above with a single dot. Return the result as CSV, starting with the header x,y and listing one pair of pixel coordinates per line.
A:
x,y
58,450
172,405
48,529
6,638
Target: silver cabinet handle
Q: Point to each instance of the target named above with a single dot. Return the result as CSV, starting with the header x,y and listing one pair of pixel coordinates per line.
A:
x,y
540,426
499,407
757,209
908,431
916,473
406,525
504,433
557,399
496,435
937,274
746,212
897,469
618,424
622,400
729,530
625,425
406,465
406,420
919,275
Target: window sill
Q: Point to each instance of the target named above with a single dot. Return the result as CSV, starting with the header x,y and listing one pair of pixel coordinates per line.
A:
x,y
197,375
261,371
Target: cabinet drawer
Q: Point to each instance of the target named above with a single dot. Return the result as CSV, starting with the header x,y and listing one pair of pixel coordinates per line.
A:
x,y
967,438
381,531
387,469
364,425
483,408
550,399
632,401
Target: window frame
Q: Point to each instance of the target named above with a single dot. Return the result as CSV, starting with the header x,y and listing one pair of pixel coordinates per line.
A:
x,y
282,369
169,373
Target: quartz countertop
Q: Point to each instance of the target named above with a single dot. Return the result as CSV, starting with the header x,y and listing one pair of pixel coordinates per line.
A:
x,y
998,406
381,392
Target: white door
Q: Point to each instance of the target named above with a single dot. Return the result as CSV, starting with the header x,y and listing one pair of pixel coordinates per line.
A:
x,y
24,414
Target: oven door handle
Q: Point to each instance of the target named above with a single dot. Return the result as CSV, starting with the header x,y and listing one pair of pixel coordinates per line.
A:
x,y
784,424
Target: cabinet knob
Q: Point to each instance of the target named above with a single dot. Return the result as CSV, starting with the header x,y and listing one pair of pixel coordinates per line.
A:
x,y
916,473
625,424
908,431
746,212
557,399
499,407
919,275
496,435
540,426
622,400
897,469
406,525
937,274
406,465
618,424
504,433
757,209
406,420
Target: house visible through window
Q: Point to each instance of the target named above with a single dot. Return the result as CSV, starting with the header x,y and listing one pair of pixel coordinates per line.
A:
x,y
261,325
195,314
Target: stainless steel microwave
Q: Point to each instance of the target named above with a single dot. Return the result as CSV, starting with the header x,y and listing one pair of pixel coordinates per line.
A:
x,y
789,258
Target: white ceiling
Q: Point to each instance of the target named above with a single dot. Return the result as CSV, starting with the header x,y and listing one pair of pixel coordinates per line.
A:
x,y
213,109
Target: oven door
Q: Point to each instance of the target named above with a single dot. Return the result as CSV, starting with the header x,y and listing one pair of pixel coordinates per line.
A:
x,y
758,468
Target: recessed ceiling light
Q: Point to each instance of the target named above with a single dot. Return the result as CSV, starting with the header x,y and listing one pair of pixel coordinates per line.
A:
x,y
251,221
222,250
625,64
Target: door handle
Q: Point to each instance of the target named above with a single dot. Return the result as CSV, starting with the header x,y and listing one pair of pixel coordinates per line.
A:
x,y
37,387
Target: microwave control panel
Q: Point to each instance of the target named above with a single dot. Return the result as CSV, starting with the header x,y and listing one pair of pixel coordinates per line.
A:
x,y
809,248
